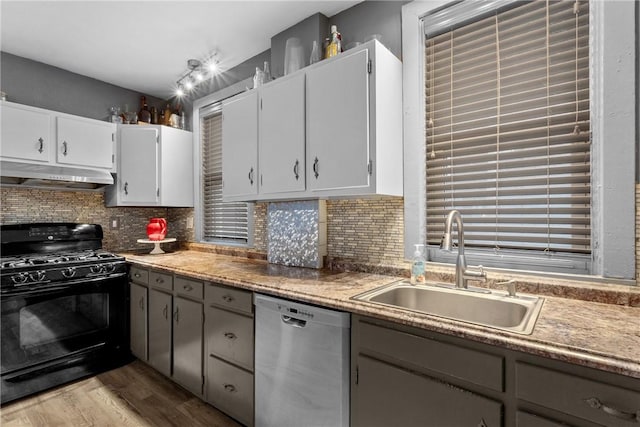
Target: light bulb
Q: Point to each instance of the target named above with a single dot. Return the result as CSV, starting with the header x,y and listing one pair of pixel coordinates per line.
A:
x,y
189,84
212,66
180,91
198,76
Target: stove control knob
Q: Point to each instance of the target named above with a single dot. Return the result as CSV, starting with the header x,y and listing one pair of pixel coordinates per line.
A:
x,y
109,268
96,269
19,278
37,276
69,272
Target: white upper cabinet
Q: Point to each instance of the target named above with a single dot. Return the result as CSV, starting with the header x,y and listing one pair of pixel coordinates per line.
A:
x,y
26,133
338,123
282,136
155,167
240,146
35,135
333,129
82,142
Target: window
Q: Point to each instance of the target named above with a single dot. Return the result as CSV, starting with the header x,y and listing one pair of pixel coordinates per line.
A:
x,y
508,130
222,222
564,204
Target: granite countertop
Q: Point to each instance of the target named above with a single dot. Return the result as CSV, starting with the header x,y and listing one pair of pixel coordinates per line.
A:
x,y
591,334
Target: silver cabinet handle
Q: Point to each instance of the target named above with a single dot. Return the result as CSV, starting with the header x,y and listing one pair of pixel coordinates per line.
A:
x,y
65,148
137,275
251,175
230,335
295,169
227,298
316,168
126,188
187,288
165,311
41,147
595,403
230,388
176,315
159,280
141,303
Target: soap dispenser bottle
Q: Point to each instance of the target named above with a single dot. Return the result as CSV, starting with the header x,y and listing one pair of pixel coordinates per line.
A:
x,y
417,266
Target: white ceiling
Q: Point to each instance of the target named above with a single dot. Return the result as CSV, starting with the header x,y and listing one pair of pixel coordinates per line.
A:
x,y
145,45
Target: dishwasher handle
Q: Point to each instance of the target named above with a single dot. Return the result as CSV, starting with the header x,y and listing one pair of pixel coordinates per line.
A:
x,y
296,323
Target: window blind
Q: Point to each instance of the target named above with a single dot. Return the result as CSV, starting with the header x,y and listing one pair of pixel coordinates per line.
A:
x,y
508,128
227,221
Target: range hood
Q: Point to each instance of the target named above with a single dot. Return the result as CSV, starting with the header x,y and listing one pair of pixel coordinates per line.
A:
x,y
53,177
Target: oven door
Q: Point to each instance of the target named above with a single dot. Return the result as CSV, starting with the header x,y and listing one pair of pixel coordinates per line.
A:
x,y
58,333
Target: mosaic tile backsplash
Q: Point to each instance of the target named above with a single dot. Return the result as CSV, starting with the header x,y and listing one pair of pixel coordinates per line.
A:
x,y
21,205
296,233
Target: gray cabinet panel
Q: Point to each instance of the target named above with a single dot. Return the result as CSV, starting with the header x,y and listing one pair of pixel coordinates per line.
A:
x,y
229,298
230,336
160,331
390,396
230,389
470,365
138,322
524,419
187,344
576,396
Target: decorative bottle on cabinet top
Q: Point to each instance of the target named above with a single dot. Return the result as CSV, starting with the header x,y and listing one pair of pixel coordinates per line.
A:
x,y
144,115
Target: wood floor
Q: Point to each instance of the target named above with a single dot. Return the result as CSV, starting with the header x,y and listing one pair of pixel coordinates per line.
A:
x,y
134,395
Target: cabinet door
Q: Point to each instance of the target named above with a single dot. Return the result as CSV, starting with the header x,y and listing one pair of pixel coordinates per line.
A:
x,y
230,337
282,136
338,123
389,396
25,134
138,307
240,146
187,344
84,142
138,174
160,331
176,170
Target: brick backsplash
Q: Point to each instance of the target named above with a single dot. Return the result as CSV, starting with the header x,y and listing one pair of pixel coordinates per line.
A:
x,y
21,205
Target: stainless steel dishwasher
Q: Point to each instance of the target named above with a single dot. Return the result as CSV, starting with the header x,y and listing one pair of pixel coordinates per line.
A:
x,y
301,364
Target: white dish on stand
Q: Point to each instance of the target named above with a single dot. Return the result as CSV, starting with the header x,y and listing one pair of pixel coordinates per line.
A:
x,y
156,249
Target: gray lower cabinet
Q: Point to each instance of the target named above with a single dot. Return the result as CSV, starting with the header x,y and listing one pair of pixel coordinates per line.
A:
x,y
187,344
404,380
160,310
138,320
408,376
229,351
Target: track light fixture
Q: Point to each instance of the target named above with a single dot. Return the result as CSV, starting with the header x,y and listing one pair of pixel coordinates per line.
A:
x,y
197,72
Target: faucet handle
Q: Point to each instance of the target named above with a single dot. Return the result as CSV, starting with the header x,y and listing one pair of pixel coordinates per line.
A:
x,y
511,286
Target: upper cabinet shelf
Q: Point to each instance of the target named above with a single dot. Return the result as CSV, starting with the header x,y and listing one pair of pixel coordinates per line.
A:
x,y
333,129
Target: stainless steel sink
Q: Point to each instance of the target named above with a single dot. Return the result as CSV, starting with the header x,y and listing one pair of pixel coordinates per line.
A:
x,y
494,309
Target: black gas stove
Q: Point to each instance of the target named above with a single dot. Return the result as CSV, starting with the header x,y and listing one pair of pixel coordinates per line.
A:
x,y
43,254
65,306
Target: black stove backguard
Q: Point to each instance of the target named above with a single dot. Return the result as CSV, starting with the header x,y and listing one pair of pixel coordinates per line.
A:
x,y
65,307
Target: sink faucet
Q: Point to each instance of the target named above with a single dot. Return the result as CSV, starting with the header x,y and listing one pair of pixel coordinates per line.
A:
x,y
463,273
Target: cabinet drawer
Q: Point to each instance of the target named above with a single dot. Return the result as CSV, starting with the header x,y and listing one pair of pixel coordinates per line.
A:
x,y
188,287
230,337
225,297
139,275
577,396
466,364
230,389
524,419
161,280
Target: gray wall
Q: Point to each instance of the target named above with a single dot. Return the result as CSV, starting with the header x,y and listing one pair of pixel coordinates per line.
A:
x,y
40,85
